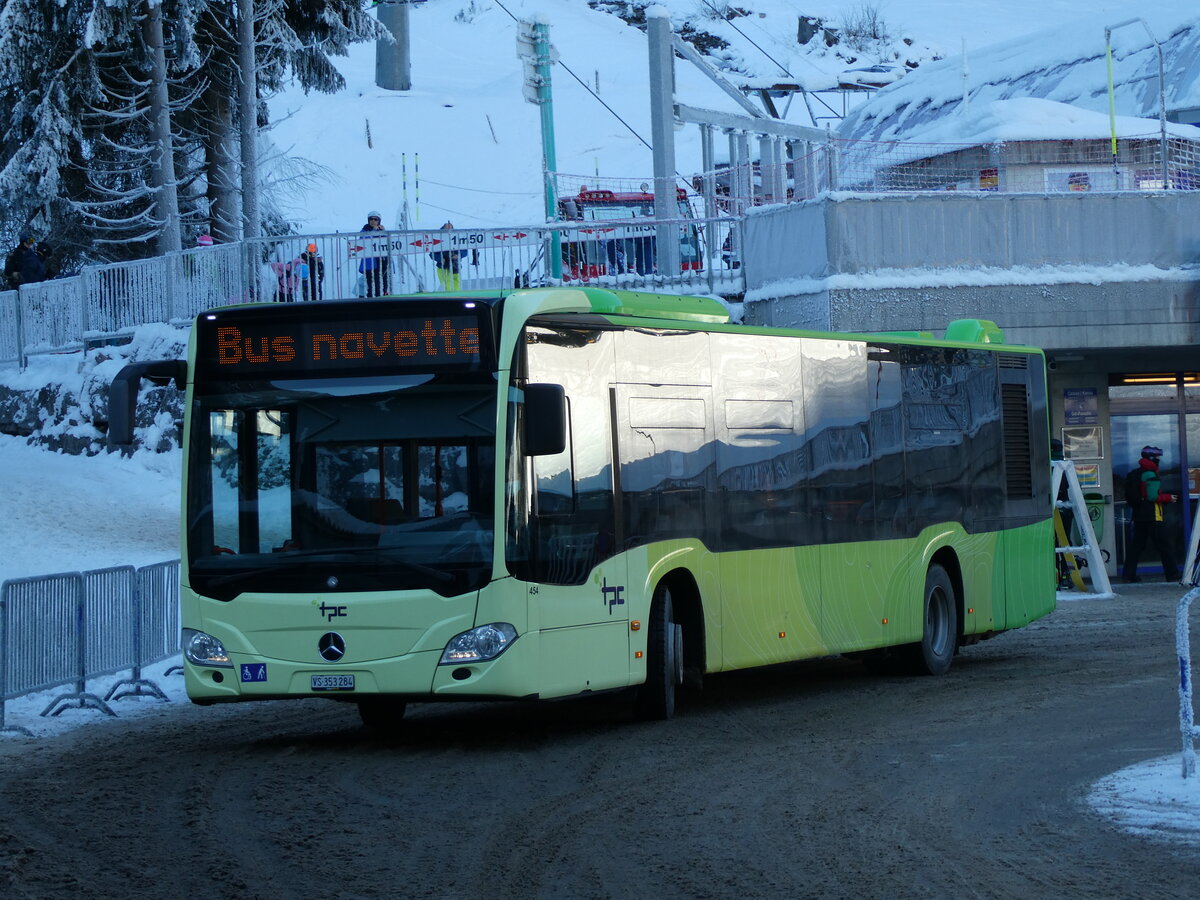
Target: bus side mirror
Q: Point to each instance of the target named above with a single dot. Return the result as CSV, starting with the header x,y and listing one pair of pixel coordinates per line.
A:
x,y
545,419
122,395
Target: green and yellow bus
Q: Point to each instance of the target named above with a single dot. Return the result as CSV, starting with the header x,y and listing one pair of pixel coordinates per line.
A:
x,y
549,492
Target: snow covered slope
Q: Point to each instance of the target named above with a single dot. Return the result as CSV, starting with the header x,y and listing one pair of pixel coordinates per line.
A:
x,y
464,146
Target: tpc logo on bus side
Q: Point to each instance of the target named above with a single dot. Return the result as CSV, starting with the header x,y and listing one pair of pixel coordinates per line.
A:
x,y
612,596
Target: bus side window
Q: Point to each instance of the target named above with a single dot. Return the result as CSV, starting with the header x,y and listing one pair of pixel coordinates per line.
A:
x,y
223,427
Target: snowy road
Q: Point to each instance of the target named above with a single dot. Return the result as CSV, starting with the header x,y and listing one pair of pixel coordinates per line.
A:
x,y
812,779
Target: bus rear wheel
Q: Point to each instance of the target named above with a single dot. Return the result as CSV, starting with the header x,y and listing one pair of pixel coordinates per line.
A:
x,y
382,715
664,659
939,636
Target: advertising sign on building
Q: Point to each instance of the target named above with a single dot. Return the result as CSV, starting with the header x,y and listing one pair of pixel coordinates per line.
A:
x,y
1081,406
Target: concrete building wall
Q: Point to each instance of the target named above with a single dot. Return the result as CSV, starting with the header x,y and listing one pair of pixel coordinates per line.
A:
x,y
1058,271
852,234
1127,315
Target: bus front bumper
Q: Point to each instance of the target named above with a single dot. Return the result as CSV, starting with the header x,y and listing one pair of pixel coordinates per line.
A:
x,y
412,676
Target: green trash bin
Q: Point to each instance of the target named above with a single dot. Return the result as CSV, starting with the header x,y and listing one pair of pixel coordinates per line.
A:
x,y
1095,510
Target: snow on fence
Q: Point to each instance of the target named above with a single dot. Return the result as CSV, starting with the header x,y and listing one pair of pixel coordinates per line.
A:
x,y
10,326
67,628
102,301
1187,726
51,316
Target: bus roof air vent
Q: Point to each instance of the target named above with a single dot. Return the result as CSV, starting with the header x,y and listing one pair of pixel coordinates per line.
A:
x,y
974,331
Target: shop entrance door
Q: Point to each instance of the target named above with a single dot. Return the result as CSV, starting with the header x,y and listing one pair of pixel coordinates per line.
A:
x,y
1131,432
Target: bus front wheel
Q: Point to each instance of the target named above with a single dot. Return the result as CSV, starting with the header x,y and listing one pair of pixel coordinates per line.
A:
x,y
939,636
664,659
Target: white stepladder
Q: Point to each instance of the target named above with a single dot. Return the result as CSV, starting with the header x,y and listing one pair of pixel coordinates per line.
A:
x,y
1191,578
1090,548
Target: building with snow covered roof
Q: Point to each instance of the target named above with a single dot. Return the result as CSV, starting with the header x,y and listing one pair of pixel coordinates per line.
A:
x,y
1025,144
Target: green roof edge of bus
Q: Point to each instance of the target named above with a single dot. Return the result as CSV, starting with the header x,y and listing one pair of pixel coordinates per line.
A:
x,y
918,335
686,307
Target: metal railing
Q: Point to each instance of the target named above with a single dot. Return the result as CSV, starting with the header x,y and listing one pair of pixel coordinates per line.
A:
x,y
68,628
620,253
104,301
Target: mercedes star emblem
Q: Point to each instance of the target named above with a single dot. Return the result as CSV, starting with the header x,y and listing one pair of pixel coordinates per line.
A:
x,y
331,646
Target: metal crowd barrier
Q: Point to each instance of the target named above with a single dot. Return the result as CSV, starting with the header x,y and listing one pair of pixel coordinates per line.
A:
x,y
10,326
65,629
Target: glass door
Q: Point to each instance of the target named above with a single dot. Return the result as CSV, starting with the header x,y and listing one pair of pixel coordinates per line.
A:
x,y
1144,414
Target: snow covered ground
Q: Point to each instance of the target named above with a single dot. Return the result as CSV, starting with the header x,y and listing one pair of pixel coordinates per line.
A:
x,y
478,150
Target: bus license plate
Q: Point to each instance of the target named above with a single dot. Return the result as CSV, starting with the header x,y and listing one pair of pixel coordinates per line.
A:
x,y
333,682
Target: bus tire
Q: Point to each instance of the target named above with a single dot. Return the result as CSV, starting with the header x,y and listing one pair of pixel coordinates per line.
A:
x,y
664,659
382,715
939,634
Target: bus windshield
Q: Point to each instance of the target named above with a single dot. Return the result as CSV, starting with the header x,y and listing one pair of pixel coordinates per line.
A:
x,y
326,484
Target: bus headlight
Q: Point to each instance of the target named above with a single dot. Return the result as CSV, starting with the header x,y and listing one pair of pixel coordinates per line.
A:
x,y
204,650
479,644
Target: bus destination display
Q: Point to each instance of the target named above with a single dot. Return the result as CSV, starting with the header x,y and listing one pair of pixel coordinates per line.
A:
x,y
255,348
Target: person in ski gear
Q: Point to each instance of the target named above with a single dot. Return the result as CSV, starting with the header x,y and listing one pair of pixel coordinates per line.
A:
x,y
375,269
314,275
24,265
289,275
1145,495
448,263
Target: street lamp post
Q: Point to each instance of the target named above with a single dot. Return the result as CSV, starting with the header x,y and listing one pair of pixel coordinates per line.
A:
x,y
1162,95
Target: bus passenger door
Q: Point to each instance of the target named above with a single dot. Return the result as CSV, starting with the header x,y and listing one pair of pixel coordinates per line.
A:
x,y
579,590
578,586
667,460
